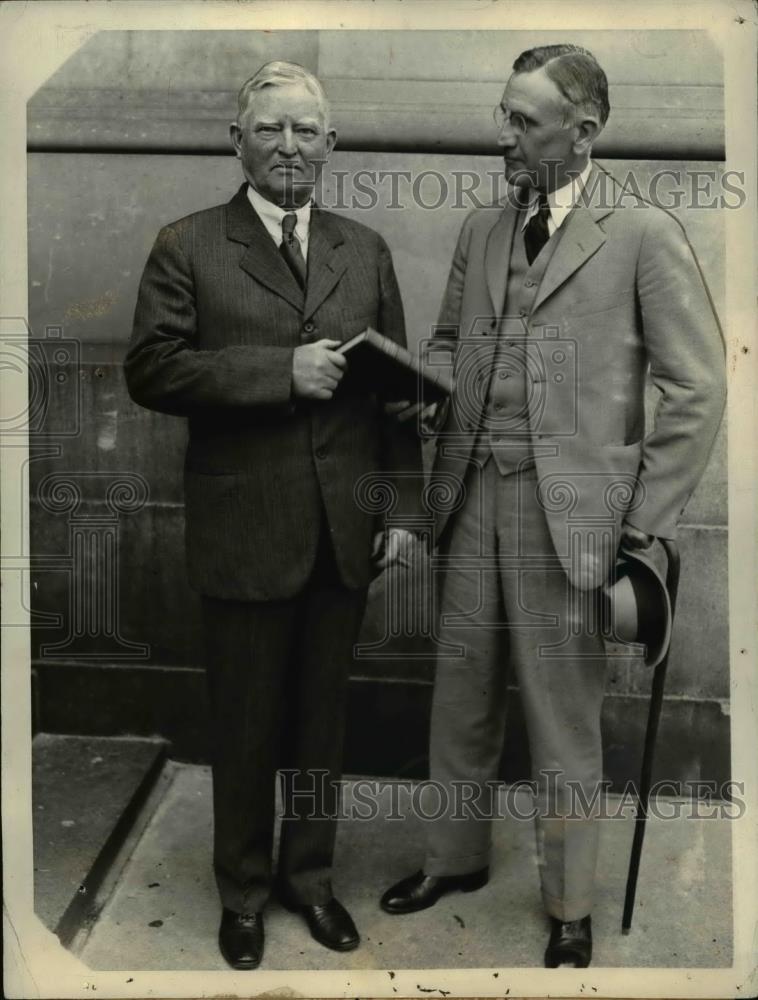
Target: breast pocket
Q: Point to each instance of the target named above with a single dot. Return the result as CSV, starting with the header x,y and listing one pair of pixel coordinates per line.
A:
x,y
594,305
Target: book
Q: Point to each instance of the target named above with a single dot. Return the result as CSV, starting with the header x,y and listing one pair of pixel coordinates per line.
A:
x,y
378,364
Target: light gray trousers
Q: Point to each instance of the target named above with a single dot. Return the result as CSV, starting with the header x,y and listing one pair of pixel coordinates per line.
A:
x,y
508,603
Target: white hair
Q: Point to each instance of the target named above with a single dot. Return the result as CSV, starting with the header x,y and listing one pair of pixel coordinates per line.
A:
x,y
281,74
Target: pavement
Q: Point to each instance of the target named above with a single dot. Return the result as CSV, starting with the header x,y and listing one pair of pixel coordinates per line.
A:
x,y
88,793
162,909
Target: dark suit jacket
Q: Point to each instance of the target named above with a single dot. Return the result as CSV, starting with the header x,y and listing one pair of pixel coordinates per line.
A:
x,y
621,294
218,318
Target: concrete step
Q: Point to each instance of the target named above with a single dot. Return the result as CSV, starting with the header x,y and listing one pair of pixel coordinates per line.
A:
x,y
87,793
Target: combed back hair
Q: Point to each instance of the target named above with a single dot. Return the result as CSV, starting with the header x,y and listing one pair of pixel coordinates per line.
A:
x,y
575,72
280,74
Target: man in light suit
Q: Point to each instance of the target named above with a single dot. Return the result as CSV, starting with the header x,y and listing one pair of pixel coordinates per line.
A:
x,y
557,303
240,309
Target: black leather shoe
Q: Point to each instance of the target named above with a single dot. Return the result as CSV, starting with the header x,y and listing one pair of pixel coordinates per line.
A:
x,y
240,938
329,923
419,891
570,943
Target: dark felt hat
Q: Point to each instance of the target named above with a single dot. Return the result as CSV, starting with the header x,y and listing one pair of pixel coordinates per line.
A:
x,y
636,607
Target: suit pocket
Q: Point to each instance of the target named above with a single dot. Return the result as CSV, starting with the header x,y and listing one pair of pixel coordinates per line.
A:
x,y
211,499
631,447
597,304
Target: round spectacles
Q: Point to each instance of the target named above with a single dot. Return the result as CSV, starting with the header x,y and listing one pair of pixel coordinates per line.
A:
x,y
515,119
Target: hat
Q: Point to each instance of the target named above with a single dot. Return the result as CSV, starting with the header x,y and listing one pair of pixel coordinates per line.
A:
x,y
635,605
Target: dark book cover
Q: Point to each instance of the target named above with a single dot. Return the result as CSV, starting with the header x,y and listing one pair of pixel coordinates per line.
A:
x,y
377,364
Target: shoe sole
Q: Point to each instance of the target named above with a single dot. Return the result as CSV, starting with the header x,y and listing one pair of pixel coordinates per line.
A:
x,y
350,946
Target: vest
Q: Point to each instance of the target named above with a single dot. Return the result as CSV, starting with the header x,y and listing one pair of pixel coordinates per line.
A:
x,y
503,431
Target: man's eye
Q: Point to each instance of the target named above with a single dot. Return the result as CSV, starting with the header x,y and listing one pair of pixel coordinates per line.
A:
x,y
266,130
307,133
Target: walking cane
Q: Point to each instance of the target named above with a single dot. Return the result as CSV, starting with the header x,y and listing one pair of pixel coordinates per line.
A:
x,y
654,715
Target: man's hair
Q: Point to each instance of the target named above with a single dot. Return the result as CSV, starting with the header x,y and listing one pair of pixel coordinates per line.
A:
x,y
280,74
575,72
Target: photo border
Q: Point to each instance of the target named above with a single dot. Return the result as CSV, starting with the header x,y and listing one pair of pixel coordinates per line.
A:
x,y
37,39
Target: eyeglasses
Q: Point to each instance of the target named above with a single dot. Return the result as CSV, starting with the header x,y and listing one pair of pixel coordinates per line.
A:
x,y
518,122
515,119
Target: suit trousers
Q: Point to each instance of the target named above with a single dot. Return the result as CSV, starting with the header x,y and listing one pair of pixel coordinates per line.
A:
x,y
277,680
506,603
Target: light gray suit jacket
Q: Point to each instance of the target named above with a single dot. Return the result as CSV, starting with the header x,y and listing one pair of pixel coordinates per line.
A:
x,y
622,291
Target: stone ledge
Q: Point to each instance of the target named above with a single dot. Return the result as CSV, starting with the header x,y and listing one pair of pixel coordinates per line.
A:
x,y
87,793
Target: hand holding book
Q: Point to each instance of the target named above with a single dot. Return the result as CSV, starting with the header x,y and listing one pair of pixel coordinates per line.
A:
x,y
317,369
378,364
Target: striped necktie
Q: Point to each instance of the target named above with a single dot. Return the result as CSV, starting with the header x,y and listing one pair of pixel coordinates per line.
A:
x,y
290,249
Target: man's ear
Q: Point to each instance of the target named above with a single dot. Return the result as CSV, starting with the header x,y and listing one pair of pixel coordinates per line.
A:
x,y
331,141
587,131
235,134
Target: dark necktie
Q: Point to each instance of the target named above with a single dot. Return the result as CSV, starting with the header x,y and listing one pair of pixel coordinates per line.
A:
x,y
536,233
290,248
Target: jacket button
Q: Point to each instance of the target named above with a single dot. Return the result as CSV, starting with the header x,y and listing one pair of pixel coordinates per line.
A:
x,y
530,283
309,326
321,452
503,374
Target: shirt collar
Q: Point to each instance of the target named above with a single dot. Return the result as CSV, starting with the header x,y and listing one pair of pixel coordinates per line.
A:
x,y
561,201
271,215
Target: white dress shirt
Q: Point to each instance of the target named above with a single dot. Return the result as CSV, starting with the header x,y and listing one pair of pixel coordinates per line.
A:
x,y
271,216
560,202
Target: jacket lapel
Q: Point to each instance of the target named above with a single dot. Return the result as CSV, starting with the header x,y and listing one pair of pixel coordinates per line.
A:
x,y
327,259
497,256
581,235
262,259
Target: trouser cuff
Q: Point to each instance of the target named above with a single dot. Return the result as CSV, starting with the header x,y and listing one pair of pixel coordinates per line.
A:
x,y
244,902
567,909
304,892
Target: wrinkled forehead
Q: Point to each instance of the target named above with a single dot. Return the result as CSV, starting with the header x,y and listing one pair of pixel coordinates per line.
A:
x,y
534,94
285,102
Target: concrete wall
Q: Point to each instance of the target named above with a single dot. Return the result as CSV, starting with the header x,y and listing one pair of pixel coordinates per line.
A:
x,y
131,133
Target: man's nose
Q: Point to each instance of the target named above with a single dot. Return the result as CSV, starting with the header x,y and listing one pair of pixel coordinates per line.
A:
x,y
287,143
507,137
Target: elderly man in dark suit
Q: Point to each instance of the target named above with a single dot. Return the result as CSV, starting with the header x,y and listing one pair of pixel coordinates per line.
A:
x,y
239,313
558,303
